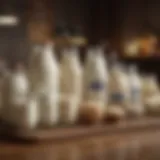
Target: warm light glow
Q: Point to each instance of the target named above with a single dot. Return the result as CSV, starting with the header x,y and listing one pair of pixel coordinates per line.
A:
x,y
9,20
131,48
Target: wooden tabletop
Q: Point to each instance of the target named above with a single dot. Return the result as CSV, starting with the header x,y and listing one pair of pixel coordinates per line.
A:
x,y
143,145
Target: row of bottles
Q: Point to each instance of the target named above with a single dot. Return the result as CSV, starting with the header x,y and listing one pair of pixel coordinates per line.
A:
x,y
50,93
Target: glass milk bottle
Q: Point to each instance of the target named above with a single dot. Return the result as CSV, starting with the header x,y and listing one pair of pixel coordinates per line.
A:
x,y
44,77
95,78
118,86
135,106
70,85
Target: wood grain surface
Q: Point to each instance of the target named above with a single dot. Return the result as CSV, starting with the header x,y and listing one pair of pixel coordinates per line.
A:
x,y
142,144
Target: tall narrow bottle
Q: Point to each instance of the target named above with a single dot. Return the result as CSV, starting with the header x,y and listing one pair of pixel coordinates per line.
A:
x,y
136,104
16,94
70,85
118,86
47,85
95,77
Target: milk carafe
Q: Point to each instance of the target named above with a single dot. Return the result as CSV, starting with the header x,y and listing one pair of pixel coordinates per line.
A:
x,y
95,77
47,88
136,105
118,86
70,83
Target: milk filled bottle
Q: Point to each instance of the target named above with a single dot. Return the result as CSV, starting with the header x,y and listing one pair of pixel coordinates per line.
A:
x,y
70,85
135,106
16,94
95,77
118,86
71,73
34,68
45,85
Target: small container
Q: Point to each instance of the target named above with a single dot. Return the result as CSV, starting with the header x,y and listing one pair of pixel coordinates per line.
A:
x,y
114,113
91,112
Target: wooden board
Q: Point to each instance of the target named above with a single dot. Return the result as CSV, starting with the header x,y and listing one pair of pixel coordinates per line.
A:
x,y
79,131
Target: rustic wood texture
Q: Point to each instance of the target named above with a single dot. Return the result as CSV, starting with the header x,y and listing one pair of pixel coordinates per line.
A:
x,y
130,146
79,131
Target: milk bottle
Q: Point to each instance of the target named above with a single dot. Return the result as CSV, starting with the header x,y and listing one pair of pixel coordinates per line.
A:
x,y
16,94
95,78
70,85
136,105
118,86
46,84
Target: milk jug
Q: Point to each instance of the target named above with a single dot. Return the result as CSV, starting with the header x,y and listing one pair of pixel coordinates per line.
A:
x,y
136,104
118,86
46,84
70,84
95,77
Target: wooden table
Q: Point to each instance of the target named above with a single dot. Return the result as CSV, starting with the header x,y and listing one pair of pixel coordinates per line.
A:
x,y
137,144
130,146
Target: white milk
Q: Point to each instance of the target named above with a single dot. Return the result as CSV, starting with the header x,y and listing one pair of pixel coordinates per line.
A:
x,y
70,84
71,73
69,107
34,75
118,86
150,86
45,85
27,116
135,106
95,77
16,94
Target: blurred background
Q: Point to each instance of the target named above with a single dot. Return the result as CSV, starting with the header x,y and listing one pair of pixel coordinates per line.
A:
x,y
130,27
